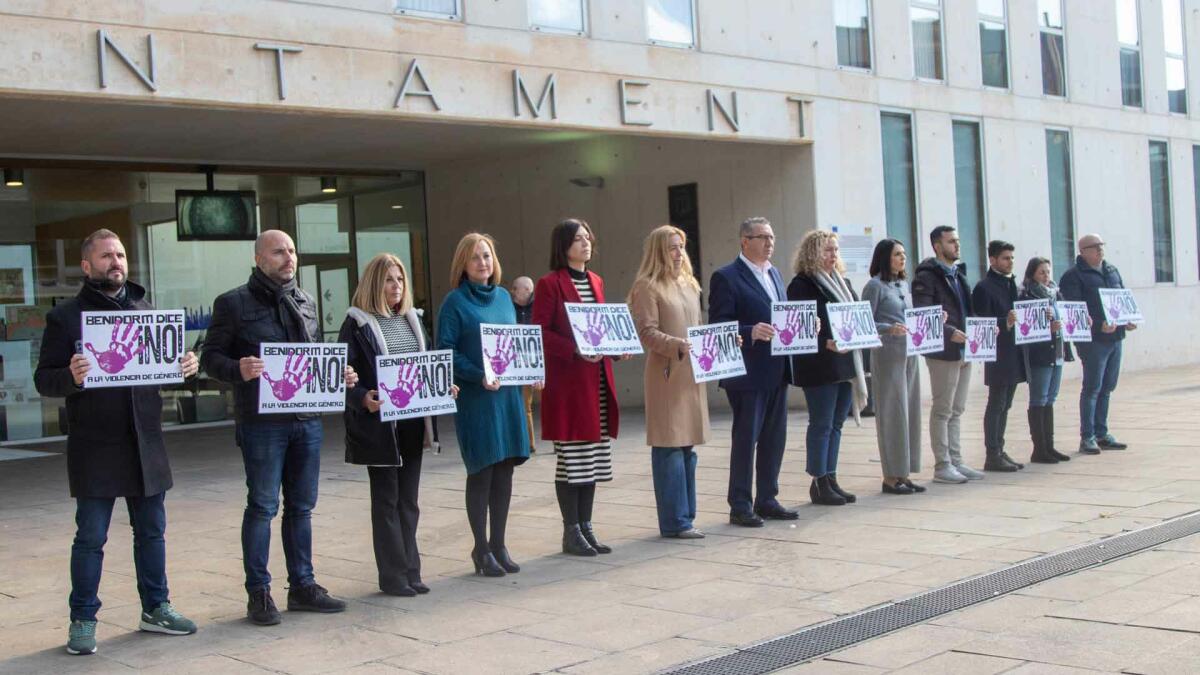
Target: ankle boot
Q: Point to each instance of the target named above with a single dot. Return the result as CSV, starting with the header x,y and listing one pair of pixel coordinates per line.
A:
x,y
500,553
590,536
995,462
485,564
1037,423
821,492
1048,434
850,498
573,542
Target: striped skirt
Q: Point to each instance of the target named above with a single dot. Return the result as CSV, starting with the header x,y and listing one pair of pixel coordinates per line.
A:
x,y
584,462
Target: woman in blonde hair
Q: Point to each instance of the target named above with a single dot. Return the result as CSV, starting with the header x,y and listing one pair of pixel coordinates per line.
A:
x,y
491,419
382,320
665,301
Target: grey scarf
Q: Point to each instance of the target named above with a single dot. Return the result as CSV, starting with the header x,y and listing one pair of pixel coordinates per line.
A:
x,y
836,286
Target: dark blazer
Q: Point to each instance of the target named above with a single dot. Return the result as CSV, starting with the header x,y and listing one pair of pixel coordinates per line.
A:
x,y
114,434
931,287
734,294
1043,353
993,297
825,366
1081,283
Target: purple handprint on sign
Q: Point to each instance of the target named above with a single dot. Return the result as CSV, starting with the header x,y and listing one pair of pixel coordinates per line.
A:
x,y
1025,325
846,332
120,348
1114,309
504,356
295,367
1070,324
409,380
791,327
595,329
922,331
973,343
707,358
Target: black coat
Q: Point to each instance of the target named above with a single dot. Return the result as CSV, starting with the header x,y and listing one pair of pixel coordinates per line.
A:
x,y
1043,353
368,440
824,366
994,297
114,434
1081,283
931,288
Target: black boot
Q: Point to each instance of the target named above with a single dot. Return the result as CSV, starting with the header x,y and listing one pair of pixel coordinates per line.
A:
x,y
1048,434
590,536
850,498
1010,460
505,561
574,543
995,462
1037,423
821,492
485,564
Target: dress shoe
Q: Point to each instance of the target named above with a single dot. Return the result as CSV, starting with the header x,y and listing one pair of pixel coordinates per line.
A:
x,y
995,462
913,486
850,498
505,560
573,542
900,488
1109,443
1010,460
745,520
486,565
414,582
402,590
775,512
590,536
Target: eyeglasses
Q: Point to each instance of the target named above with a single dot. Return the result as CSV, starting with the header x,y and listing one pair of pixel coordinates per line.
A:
x,y
1100,245
767,237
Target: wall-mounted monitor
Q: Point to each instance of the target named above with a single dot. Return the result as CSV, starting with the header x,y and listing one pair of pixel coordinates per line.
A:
x,y
216,215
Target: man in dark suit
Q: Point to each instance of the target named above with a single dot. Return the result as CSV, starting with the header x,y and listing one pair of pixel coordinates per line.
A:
x,y
993,297
743,291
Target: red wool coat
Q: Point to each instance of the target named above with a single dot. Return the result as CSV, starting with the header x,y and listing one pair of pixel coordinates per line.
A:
x,y
571,399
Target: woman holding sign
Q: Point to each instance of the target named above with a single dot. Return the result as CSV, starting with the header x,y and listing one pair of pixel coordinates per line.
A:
x,y
491,419
1044,363
833,380
579,406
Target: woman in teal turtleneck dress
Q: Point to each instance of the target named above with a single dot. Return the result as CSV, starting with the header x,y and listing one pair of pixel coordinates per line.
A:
x,y
491,419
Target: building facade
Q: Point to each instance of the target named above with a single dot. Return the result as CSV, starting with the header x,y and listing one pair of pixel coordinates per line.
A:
x,y
371,125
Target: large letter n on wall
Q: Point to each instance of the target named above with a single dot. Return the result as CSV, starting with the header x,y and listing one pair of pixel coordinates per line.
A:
x,y
104,43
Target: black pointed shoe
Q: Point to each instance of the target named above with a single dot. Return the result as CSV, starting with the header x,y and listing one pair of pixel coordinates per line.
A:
x,y
900,488
505,560
486,565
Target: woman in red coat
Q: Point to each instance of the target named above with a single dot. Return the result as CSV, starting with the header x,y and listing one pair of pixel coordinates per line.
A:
x,y
579,407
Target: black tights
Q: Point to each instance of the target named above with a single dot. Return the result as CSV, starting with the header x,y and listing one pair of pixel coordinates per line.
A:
x,y
489,491
575,502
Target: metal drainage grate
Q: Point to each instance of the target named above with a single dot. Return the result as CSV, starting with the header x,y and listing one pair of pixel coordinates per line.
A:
x,y
824,638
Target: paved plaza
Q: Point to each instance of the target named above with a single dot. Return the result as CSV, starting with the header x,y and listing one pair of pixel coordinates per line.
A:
x,y
653,603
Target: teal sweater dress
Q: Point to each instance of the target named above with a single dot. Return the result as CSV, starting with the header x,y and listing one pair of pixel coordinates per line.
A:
x,y
490,424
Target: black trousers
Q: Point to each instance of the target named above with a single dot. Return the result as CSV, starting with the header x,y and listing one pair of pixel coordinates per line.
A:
x,y
394,515
995,416
756,454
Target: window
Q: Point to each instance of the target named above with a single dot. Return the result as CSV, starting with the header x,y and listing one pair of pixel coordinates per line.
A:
x,y
993,43
1196,189
1160,211
1054,55
1062,201
968,195
566,16
1173,46
1129,38
852,19
670,22
926,25
899,181
442,9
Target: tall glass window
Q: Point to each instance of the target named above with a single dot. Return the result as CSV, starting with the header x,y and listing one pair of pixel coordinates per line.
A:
x,y
1054,56
1062,201
968,194
444,9
564,16
993,43
1173,46
1130,39
852,20
1160,211
1196,190
670,22
926,22
899,182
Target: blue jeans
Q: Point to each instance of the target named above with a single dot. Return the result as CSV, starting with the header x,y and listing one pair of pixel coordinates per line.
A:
x,y
1043,385
148,517
674,471
1101,368
283,454
828,406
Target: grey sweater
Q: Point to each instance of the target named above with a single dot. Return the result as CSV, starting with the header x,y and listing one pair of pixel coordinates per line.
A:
x,y
888,301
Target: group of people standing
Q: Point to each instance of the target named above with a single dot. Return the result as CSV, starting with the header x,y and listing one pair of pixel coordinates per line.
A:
x,y
116,449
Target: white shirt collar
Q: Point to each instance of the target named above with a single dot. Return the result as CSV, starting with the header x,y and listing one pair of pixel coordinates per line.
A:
x,y
758,269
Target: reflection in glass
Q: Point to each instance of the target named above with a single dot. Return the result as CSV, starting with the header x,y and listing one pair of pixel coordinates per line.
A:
x,y
899,181
1176,85
564,15
1131,77
1062,204
852,19
968,193
1054,65
1160,209
927,42
670,21
993,49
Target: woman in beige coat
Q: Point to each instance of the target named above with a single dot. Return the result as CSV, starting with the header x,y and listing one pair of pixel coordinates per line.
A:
x,y
665,301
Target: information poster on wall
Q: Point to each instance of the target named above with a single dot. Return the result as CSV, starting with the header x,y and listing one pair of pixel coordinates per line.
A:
x,y
1075,321
417,384
853,325
981,339
133,347
512,354
715,352
857,245
925,330
603,329
1033,321
1120,306
796,327
302,377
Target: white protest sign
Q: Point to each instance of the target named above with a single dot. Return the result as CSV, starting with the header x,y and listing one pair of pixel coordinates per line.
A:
x,y
853,325
981,339
714,351
603,329
1074,318
416,384
133,347
925,330
1033,321
795,326
512,354
1120,307
302,377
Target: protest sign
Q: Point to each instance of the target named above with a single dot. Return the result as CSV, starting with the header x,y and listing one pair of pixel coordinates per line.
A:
x,y
981,339
853,325
603,329
795,326
512,354
925,330
1033,321
302,377
1074,318
133,347
715,352
1120,307
416,384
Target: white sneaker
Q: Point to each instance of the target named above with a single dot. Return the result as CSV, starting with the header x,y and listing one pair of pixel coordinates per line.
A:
x,y
969,473
948,474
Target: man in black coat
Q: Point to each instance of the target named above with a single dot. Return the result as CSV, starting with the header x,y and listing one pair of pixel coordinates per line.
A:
x,y
114,449
993,297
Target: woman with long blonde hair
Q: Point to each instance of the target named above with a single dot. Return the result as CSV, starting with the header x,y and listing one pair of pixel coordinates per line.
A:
x,y
665,301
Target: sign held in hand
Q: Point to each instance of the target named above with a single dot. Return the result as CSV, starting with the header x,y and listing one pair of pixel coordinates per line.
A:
x,y
981,339
129,348
1120,307
795,325
1033,321
302,377
853,325
415,384
925,330
1074,318
603,329
714,351
512,354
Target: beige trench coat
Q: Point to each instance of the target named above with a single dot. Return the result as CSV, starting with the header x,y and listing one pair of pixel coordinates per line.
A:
x,y
676,407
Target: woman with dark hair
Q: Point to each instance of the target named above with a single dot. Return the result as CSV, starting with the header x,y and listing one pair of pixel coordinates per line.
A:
x,y
1044,363
895,378
579,405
